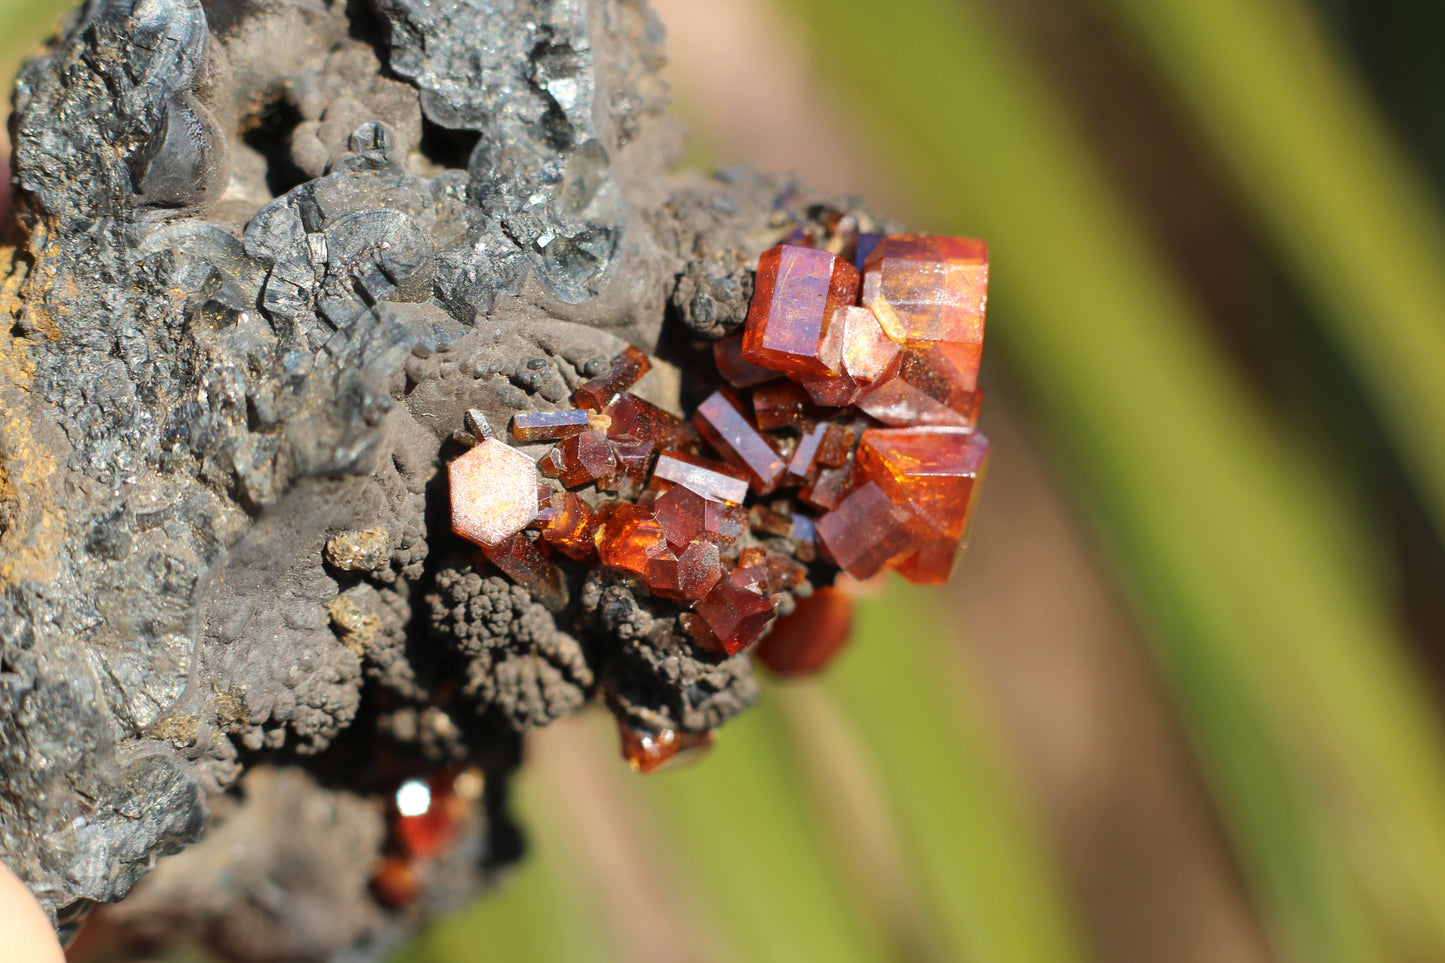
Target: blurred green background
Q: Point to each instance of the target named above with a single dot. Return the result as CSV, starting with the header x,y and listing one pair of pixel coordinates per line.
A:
x,y
1182,701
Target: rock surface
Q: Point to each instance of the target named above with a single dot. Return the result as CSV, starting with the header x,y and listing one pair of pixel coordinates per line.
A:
x,y
262,256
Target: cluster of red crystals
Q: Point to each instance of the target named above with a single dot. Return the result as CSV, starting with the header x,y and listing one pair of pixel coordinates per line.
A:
x,y
843,433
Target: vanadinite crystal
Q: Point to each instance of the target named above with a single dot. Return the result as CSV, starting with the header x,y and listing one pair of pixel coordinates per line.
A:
x,y
836,431
790,322
493,492
923,287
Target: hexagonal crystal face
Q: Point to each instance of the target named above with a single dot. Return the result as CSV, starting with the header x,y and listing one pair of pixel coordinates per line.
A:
x,y
493,492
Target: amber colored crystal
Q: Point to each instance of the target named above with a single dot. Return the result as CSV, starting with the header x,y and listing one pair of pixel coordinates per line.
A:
x,y
627,369
805,640
868,353
927,287
649,750
572,527
395,882
752,557
868,530
934,471
728,356
709,479
493,490
631,538
934,384
790,320
727,429
581,460
783,405
690,575
548,425
735,613
526,563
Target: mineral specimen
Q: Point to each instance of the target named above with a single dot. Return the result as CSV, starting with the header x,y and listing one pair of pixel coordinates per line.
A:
x,y
263,261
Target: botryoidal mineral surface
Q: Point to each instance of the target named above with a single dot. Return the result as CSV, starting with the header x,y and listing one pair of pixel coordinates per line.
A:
x,y
263,255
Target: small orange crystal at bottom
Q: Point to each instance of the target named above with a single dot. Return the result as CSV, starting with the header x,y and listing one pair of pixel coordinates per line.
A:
x,y
649,750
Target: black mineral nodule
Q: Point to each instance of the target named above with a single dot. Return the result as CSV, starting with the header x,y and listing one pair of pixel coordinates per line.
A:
x,y
266,253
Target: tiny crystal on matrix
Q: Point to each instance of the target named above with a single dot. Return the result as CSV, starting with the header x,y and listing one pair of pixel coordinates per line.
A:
x,y
627,369
548,425
804,641
726,428
493,492
790,321
926,287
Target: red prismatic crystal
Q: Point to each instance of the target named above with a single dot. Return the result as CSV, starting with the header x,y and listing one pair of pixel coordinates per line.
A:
x,y
868,530
711,480
493,490
790,320
627,369
925,287
808,638
649,750
688,576
728,355
548,425
631,538
572,527
727,429
783,405
934,384
525,563
581,460
735,613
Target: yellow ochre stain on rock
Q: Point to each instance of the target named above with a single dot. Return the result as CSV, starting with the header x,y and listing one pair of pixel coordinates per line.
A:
x,y
31,520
